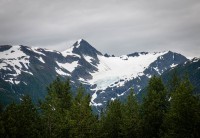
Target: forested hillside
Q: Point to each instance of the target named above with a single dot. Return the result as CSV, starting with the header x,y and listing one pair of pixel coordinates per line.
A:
x,y
165,112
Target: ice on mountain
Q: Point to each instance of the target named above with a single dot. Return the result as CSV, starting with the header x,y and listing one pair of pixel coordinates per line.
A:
x,y
88,58
36,50
103,83
107,73
173,65
195,59
156,68
79,41
140,74
28,72
10,80
68,66
94,96
121,83
103,92
82,80
4,66
112,99
121,94
124,57
112,69
69,52
25,83
25,65
41,59
17,82
49,50
62,73
97,104
14,59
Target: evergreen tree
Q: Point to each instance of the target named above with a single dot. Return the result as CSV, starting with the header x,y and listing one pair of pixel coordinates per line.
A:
x,y
2,129
172,85
112,120
55,109
60,115
183,118
82,121
22,120
174,82
10,117
154,107
130,116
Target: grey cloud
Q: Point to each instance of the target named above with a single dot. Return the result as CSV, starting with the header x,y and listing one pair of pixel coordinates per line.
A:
x,y
113,26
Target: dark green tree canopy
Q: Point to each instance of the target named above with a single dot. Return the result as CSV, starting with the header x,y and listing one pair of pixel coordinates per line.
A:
x,y
166,112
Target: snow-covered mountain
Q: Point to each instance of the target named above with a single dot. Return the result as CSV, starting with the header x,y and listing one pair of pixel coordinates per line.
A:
x,y
191,68
28,70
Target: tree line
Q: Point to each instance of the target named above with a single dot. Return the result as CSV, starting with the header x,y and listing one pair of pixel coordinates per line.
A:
x,y
171,111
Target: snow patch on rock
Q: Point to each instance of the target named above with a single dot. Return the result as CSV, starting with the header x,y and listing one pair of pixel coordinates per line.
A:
x,y
69,52
112,69
62,73
68,66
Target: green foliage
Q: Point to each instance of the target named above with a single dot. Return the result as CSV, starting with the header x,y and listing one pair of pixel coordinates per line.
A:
x,y
21,120
82,121
112,120
64,116
130,117
55,109
2,129
153,108
165,112
174,83
182,120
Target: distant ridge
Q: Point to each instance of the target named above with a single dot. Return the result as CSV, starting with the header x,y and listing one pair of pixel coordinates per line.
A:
x,y
29,70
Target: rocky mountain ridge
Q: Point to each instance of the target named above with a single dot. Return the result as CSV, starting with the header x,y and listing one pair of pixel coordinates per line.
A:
x,y
29,70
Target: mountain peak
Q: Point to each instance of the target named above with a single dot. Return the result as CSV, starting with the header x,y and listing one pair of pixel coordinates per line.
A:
x,y
81,46
80,42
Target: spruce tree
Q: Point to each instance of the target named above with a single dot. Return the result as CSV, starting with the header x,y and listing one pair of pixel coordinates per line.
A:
x,y
112,120
172,85
22,120
154,107
2,129
183,118
55,109
10,117
83,123
130,117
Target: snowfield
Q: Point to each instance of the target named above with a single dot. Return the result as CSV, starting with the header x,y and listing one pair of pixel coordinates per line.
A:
x,y
106,77
14,58
112,69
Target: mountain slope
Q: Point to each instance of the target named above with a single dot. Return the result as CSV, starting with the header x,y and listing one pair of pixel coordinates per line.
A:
x,y
191,67
29,70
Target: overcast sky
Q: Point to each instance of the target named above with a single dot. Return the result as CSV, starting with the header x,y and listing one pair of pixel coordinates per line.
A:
x,y
113,26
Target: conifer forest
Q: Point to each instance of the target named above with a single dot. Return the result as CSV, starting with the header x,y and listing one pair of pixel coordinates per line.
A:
x,y
171,111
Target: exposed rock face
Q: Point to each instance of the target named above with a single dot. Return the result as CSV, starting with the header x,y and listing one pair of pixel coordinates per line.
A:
x,y
28,70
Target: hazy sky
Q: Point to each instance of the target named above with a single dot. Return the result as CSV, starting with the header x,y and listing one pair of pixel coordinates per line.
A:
x,y
113,26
